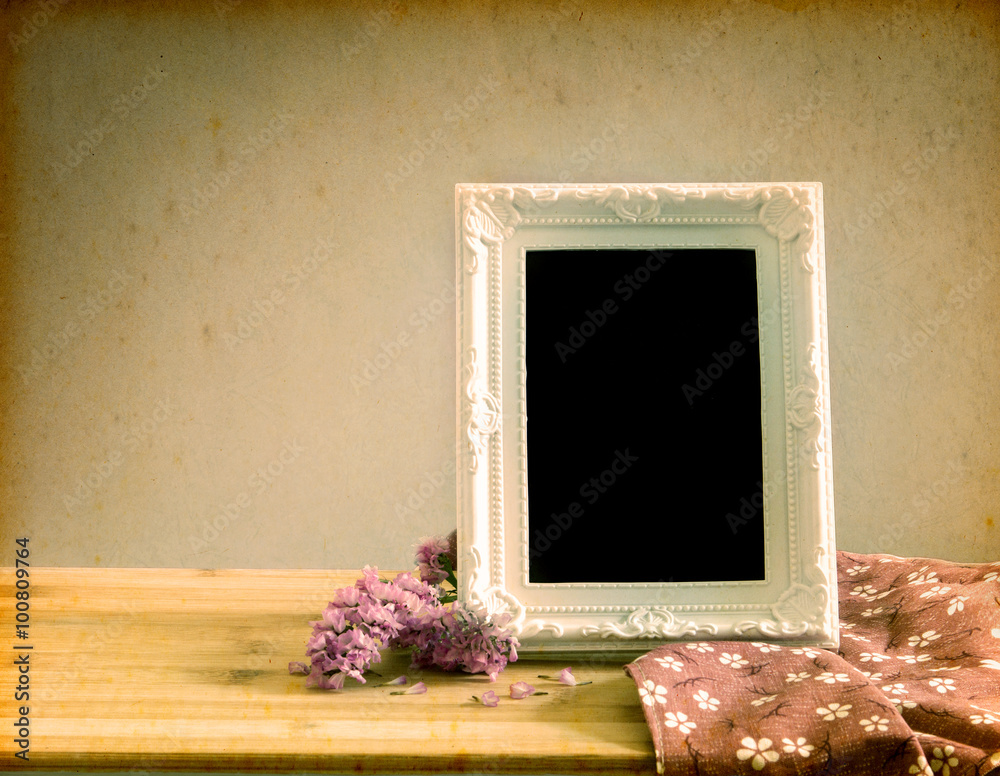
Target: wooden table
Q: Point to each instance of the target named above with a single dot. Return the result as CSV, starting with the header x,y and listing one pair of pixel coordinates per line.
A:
x,y
180,669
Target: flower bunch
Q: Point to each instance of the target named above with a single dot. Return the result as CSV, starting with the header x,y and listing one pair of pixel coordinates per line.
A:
x,y
358,623
376,614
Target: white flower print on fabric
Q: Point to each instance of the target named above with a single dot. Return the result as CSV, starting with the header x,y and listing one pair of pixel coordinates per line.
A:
x,y
679,720
857,569
799,747
896,689
943,761
762,701
875,723
914,659
872,612
651,693
834,711
942,685
809,652
800,676
923,639
701,646
760,751
874,657
735,660
957,604
828,677
936,590
865,592
670,662
990,663
706,701
922,576
765,648
922,767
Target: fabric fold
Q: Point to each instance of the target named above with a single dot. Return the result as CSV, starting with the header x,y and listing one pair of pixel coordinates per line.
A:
x,y
914,689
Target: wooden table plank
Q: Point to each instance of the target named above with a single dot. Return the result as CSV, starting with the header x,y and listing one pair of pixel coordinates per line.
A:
x,y
185,669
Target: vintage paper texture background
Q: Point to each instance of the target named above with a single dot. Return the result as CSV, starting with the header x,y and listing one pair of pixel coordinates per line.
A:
x,y
227,250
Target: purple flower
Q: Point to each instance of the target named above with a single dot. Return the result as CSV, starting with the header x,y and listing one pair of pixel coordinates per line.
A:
x,y
459,638
436,558
489,698
520,690
423,591
346,596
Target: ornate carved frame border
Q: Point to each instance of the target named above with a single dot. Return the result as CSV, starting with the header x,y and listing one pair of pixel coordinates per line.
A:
x,y
783,222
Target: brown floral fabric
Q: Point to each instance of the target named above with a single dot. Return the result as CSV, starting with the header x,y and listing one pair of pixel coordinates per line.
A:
x,y
913,690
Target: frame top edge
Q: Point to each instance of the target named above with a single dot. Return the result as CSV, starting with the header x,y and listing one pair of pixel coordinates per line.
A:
x,y
685,184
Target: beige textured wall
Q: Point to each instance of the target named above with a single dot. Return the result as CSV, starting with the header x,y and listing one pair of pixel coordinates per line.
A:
x,y
217,216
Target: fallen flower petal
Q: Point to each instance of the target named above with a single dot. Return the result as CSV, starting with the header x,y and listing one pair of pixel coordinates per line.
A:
x,y
520,690
489,699
418,689
565,677
296,667
399,680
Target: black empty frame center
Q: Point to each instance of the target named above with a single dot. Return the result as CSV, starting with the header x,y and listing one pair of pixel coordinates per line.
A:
x,y
643,403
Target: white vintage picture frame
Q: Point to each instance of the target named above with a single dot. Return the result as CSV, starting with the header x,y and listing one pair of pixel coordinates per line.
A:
x,y
796,602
